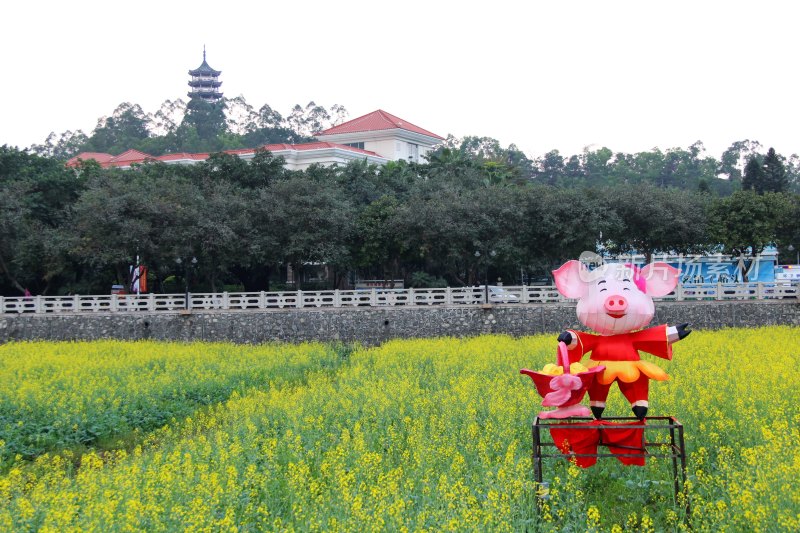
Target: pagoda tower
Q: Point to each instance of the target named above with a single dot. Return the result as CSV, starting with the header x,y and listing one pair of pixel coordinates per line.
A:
x,y
205,83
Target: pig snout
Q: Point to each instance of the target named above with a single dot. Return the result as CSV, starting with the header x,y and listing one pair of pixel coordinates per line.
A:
x,y
615,306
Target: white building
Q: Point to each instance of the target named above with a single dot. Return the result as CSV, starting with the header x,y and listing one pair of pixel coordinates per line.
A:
x,y
384,134
378,137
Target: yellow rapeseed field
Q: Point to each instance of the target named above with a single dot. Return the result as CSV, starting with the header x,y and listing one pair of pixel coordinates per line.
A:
x,y
414,435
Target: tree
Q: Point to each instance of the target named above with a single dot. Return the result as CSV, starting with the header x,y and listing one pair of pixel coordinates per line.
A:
x,y
240,117
735,157
311,221
551,167
775,179
155,212
61,147
558,224
573,168
269,118
167,118
445,224
447,165
500,165
221,233
379,240
596,164
314,118
656,220
35,194
753,179
793,173
208,121
124,129
746,222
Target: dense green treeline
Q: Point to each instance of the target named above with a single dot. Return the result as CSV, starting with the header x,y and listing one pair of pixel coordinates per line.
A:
x,y
465,213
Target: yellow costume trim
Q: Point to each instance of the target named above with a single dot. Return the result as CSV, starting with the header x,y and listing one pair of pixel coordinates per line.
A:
x,y
627,371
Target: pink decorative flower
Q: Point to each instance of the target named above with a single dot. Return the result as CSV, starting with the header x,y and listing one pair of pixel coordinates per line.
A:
x,y
562,386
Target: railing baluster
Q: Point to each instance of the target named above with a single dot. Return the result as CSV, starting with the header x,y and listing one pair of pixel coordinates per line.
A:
x,y
347,298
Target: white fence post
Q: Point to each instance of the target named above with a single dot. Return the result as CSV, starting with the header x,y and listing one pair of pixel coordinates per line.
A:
x,y
299,299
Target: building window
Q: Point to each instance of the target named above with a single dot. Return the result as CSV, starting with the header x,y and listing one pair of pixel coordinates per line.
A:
x,y
413,152
356,145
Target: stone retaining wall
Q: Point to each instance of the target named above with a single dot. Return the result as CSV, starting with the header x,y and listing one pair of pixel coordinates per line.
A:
x,y
370,325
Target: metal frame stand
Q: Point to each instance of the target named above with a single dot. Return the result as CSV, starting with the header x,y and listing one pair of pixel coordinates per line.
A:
x,y
674,448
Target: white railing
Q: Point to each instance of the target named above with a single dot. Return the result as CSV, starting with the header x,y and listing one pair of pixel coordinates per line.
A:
x,y
114,303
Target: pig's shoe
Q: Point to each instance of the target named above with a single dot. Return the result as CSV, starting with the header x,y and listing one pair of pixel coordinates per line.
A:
x,y
598,412
640,411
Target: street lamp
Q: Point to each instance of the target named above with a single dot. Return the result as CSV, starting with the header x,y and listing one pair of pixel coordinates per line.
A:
x,y
187,264
791,249
492,253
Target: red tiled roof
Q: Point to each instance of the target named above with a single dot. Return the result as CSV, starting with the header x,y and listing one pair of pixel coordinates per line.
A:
x,y
86,156
130,156
377,120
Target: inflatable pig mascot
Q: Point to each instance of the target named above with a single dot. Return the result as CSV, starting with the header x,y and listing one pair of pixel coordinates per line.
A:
x,y
615,300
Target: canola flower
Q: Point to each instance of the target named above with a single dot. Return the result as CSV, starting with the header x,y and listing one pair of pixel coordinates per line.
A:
x,y
81,393
556,370
416,435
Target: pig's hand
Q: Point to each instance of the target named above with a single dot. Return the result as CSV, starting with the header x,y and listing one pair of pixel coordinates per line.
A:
x,y
565,337
676,333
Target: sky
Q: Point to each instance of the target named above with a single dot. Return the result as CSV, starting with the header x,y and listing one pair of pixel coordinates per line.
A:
x,y
564,75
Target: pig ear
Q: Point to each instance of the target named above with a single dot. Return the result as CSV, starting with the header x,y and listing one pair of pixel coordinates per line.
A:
x,y
660,279
570,279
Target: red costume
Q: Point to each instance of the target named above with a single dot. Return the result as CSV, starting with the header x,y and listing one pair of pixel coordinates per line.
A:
x,y
621,440
620,355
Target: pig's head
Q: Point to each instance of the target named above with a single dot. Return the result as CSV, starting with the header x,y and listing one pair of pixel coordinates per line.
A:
x,y
615,298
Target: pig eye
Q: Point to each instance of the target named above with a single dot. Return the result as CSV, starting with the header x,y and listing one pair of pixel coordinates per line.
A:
x,y
625,289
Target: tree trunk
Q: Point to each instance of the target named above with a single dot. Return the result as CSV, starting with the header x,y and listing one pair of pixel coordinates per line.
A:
x,y
5,270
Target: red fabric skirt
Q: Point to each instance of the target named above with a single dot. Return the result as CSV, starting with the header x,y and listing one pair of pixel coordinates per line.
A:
x,y
583,440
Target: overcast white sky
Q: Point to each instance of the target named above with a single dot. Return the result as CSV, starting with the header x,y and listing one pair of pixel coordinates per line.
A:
x,y
630,75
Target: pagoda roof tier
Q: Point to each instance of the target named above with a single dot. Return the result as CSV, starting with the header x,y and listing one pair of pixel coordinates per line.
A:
x,y
204,70
205,95
205,83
